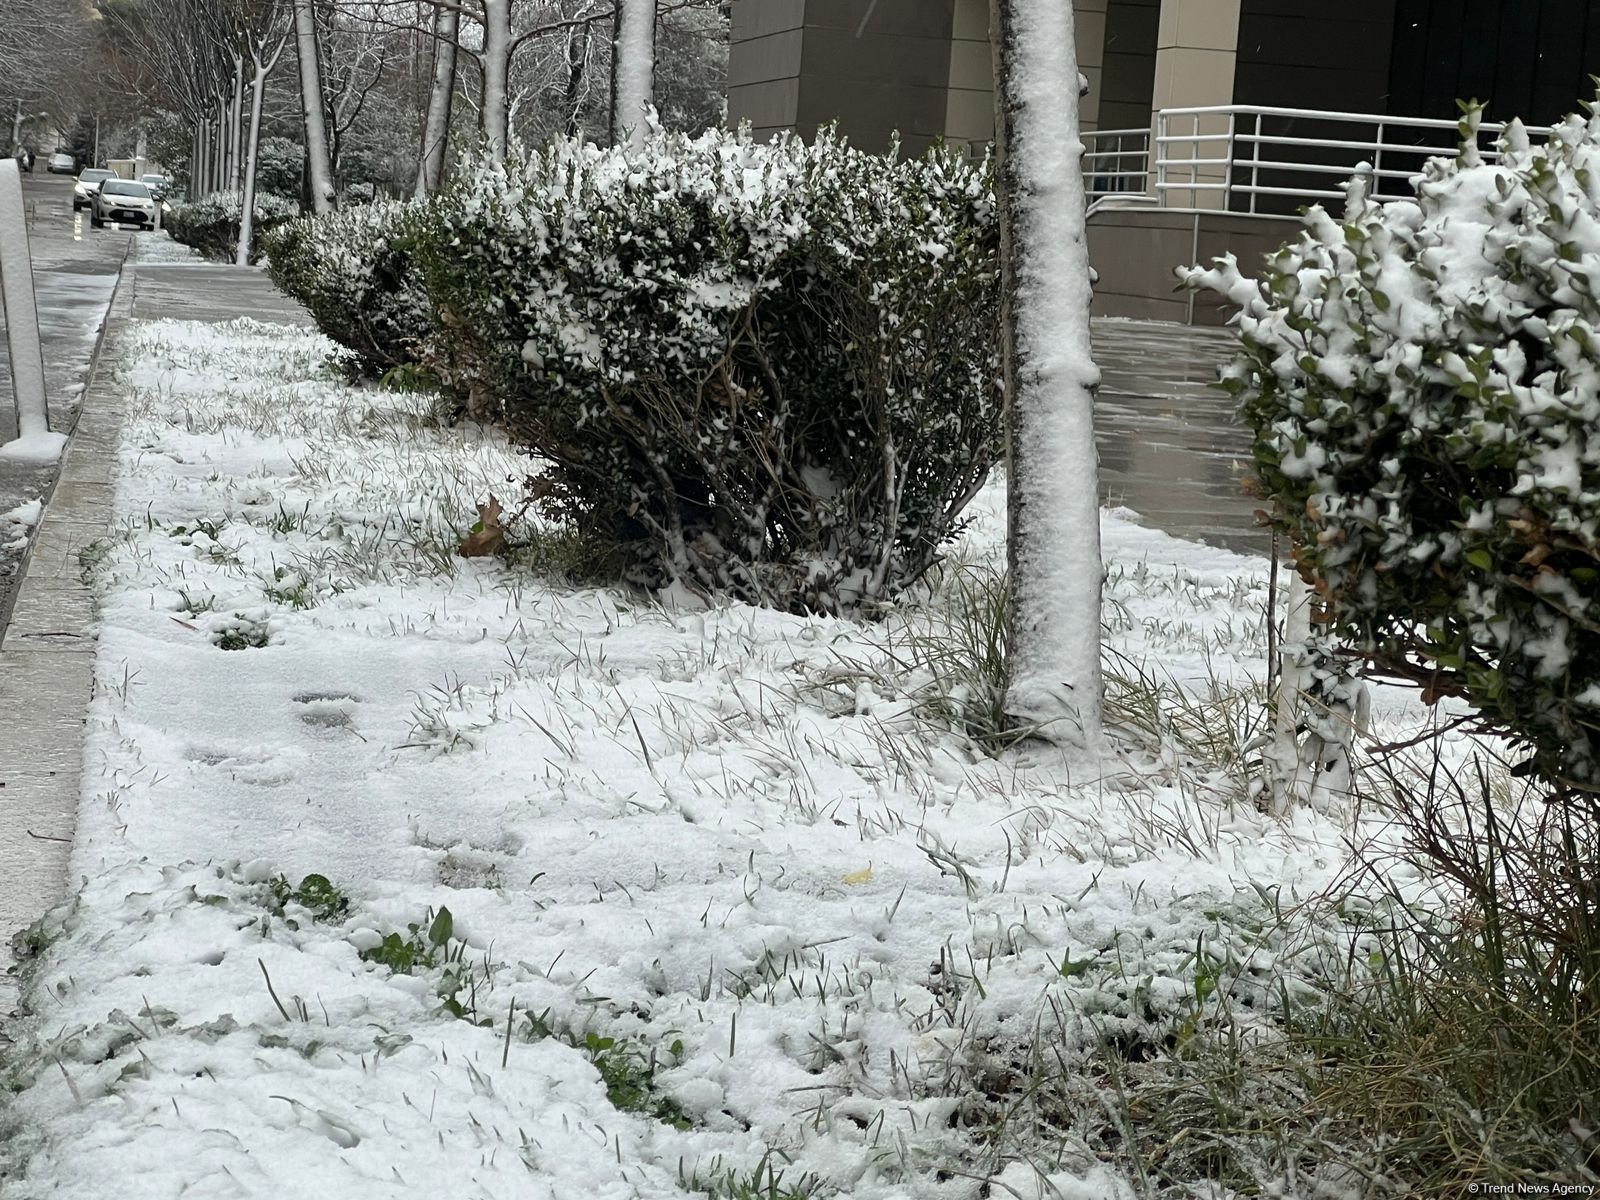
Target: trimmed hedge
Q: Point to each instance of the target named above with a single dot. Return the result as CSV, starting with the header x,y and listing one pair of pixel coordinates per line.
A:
x,y
355,275
211,224
768,369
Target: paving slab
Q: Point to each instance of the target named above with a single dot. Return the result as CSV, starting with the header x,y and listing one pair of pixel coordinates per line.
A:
x,y
210,292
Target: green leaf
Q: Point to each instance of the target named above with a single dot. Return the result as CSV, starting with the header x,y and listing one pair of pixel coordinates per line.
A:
x,y
1479,558
1071,968
443,925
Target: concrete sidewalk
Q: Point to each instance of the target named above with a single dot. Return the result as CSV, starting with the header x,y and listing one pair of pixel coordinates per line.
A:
x,y
75,271
47,651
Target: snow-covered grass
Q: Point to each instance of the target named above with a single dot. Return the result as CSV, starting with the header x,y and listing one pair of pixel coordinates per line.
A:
x,y
412,875
159,246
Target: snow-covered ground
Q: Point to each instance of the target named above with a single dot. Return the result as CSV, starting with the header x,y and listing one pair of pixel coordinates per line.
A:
x,y
158,246
622,901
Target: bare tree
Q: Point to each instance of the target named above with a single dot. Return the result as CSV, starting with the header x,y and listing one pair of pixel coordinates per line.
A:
x,y
266,47
436,126
313,107
1053,618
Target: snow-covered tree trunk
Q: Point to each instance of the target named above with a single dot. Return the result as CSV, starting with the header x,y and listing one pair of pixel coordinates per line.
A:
x,y
436,128
633,66
312,107
247,214
497,75
1053,618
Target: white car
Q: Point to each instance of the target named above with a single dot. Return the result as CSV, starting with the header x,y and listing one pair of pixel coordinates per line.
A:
x,y
61,163
83,191
119,200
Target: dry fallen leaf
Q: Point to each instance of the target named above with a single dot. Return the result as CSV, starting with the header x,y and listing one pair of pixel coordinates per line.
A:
x,y
488,536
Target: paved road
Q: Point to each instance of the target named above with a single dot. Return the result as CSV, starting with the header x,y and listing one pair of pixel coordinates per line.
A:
x,y
75,271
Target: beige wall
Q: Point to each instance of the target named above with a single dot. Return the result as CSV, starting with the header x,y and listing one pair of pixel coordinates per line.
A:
x,y
1136,250
797,63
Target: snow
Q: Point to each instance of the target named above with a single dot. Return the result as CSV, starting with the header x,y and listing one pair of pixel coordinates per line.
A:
x,y
21,316
733,841
15,524
158,246
1054,466
35,449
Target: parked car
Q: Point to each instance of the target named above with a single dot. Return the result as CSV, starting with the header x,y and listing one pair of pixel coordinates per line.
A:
x,y
88,183
61,163
122,200
158,184
24,158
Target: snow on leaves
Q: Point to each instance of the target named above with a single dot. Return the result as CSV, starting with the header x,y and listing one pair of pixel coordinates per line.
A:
x,y
1423,385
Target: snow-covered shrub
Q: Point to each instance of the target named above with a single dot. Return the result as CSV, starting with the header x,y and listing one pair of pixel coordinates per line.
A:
x,y
768,369
211,224
355,276
1422,380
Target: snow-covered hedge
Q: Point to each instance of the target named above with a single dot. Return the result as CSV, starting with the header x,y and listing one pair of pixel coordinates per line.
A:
x,y
211,224
1423,383
353,273
768,369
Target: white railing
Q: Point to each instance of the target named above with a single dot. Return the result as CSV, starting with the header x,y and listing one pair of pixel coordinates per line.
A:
x,y
1116,162
1237,157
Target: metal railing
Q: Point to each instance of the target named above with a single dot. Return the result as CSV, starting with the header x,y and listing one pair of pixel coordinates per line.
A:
x,y
1245,158
1254,159
1116,162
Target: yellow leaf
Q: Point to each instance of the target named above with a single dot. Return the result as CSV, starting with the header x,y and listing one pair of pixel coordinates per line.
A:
x,y
858,877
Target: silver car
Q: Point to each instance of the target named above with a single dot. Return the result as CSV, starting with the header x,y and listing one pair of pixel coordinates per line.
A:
x,y
83,191
120,200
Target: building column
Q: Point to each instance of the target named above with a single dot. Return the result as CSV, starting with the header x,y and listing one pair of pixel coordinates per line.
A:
x,y
969,111
1089,19
1196,46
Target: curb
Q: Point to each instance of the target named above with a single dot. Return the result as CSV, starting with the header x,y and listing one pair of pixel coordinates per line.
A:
x,y
118,308
47,658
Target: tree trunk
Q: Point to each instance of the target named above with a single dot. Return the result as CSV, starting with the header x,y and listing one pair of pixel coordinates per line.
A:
x,y
496,76
235,122
633,66
224,144
197,172
577,63
16,130
313,109
247,214
436,129
1053,517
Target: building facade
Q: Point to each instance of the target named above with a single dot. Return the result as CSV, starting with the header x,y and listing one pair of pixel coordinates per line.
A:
x,y
923,67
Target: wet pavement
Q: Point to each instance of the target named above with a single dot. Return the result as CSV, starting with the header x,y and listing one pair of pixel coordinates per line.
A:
x,y
74,271
203,291
74,274
1171,448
